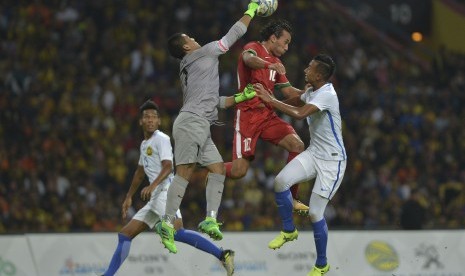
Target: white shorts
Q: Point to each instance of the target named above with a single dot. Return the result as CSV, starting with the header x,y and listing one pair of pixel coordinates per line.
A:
x,y
328,174
152,212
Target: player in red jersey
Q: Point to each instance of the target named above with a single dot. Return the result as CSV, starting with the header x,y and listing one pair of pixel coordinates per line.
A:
x,y
260,63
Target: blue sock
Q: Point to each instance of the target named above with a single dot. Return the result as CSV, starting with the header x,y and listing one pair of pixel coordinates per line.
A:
x,y
284,202
198,241
320,234
121,252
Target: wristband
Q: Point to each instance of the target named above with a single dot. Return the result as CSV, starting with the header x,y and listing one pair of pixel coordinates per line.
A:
x,y
222,102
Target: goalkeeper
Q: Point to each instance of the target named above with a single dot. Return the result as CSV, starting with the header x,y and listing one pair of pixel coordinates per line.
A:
x,y
200,83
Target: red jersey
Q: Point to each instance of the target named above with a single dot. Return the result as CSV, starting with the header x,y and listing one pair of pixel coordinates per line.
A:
x,y
267,77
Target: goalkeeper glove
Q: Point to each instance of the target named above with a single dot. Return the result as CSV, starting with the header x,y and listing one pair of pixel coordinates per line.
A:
x,y
245,95
252,8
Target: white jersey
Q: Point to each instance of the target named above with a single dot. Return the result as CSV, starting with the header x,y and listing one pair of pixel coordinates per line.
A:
x,y
152,152
325,126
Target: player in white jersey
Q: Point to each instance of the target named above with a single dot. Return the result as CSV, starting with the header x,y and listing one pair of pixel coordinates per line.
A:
x,y
156,161
191,129
324,160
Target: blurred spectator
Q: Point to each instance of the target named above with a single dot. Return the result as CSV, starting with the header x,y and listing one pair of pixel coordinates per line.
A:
x,y
413,213
71,74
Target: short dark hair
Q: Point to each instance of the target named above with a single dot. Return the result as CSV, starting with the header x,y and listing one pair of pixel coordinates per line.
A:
x,y
175,45
149,104
326,65
276,28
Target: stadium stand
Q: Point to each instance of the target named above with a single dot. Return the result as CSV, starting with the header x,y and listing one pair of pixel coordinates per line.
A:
x,y
72,75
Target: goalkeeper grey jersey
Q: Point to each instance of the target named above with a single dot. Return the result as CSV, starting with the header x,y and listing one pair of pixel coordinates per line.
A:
x,y
199,75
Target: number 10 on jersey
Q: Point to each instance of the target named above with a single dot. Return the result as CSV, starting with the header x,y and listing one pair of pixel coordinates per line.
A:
x,y
273,75
247,142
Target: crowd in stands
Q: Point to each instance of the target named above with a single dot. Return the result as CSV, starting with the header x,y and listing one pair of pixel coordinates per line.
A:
x,y
73,74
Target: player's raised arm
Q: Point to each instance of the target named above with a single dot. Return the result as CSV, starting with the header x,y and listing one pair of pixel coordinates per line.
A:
x,y
254,62
249,13
239,28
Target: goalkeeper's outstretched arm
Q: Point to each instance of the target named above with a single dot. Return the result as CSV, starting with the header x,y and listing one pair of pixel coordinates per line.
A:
x,y
250,12
229,101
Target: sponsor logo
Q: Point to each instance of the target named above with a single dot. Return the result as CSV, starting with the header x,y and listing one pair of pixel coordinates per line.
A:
x,y
7,268
251,266
153,264
381,256
295,256
430,254
144,258
71,267
298,260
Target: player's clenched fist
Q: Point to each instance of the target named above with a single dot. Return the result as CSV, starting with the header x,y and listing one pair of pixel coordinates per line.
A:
x,y
252,8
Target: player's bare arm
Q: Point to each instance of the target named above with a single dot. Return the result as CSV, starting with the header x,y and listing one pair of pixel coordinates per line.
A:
x,y
254,62
166,168
228,102
139,175
295,112
294,101
291,92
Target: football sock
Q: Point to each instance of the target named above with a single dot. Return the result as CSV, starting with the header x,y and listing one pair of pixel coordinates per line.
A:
x,y
294,188
214,192
284,202
175,194
320,234
228,168
198,241
121,252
